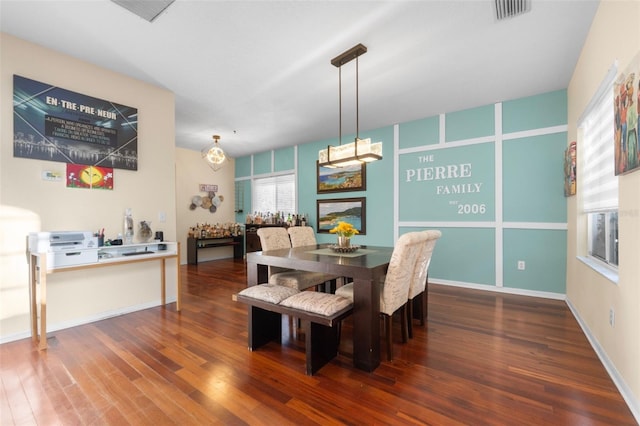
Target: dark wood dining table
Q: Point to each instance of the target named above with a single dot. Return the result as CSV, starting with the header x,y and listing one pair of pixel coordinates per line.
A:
x,y
365,266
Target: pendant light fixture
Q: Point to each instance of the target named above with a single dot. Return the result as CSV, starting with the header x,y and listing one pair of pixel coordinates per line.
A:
x,y
214,155
360,150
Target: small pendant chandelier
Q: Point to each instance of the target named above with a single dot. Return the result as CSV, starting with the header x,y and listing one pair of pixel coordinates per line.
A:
x,y
214,155
360,150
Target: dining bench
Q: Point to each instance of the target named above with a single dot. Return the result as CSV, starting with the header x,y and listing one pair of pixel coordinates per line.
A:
x,y
320,315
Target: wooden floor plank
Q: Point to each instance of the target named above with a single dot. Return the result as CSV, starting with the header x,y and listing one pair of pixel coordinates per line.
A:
x,y
483,358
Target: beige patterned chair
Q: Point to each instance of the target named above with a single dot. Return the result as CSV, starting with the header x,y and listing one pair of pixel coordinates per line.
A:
x,y
278,238
305,236
395,284
302,236
418,296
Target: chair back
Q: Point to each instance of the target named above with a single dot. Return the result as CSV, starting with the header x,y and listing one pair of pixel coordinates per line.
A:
x,y
302,236
395,290
421,270
274,238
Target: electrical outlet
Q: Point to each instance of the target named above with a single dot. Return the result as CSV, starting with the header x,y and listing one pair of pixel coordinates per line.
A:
x,y
162,216
612,317
521,265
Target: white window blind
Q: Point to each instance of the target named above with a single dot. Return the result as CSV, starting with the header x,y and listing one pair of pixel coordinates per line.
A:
x,y
598,181
274,194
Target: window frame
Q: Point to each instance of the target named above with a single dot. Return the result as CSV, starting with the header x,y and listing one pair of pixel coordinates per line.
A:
x,y
607,266
290,176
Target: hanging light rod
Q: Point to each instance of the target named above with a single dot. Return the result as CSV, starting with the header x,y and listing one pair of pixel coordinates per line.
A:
x,y
349,55
360,150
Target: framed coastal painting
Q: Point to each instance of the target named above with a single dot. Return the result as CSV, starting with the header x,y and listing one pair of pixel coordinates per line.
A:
x,y
351,210
341,179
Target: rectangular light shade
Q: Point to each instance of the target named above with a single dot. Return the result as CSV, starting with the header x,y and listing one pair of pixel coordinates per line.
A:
x,y
350,154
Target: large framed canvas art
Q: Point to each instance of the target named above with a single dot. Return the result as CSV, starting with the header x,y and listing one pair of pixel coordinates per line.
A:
x,y
54,124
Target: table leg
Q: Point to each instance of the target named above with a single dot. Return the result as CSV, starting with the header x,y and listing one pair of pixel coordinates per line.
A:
x,y
178,282
366,324
33,279
163,281
252,273
42,279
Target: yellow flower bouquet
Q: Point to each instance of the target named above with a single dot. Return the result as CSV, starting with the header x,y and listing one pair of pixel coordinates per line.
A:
x,y
344,229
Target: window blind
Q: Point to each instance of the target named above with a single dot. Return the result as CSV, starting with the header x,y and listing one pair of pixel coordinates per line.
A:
x,y
274,194
598,181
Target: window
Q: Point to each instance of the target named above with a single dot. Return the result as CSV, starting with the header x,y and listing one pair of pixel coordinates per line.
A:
x,y
274,194
599,182
603,228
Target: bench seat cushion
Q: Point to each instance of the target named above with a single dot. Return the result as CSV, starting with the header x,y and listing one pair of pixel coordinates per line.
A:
x,y
300,280
269,292
319,303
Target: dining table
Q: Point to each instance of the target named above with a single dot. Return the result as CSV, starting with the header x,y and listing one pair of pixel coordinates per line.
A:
x,y
365,265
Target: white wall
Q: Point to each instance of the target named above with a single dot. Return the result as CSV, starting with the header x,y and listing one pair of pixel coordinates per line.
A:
x,y
29,203
191,171
614,34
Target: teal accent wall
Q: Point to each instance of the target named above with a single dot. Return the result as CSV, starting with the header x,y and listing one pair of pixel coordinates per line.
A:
x,y
544,253
534,112
262,163
470,123
284,159
307,183
462,201
243,189
379,191
448,184
379,184
532,179
243,166
462,254
420,132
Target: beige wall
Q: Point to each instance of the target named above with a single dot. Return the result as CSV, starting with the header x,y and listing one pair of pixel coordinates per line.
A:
x,y
29,203
614,35
191,171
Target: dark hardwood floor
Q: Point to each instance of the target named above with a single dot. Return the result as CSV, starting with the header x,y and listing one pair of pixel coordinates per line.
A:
x,y
483,359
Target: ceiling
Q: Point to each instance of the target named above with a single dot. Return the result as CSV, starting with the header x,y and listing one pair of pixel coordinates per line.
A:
x,y
258,73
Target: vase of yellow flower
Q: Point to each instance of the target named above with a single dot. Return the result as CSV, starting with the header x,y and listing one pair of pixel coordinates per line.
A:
x,y
345,231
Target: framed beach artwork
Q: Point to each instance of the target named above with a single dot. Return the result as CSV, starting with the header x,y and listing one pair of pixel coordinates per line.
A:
x,y
351,210
341,179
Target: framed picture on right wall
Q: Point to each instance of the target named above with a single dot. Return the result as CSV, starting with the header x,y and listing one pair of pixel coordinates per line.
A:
x,y
626,96
570,170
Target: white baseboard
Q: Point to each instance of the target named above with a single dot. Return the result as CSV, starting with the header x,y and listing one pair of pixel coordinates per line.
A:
x,y
625,391
508,290
51,328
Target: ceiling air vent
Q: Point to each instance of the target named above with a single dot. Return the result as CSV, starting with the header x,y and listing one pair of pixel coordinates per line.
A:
x,y
509,8
147,10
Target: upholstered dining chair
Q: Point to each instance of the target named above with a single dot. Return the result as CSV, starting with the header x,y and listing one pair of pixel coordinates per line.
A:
x,y
305,236
418,296
302,236
395,284
275,238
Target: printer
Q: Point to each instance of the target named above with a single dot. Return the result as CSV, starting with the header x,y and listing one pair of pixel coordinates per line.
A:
x,y
65,248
